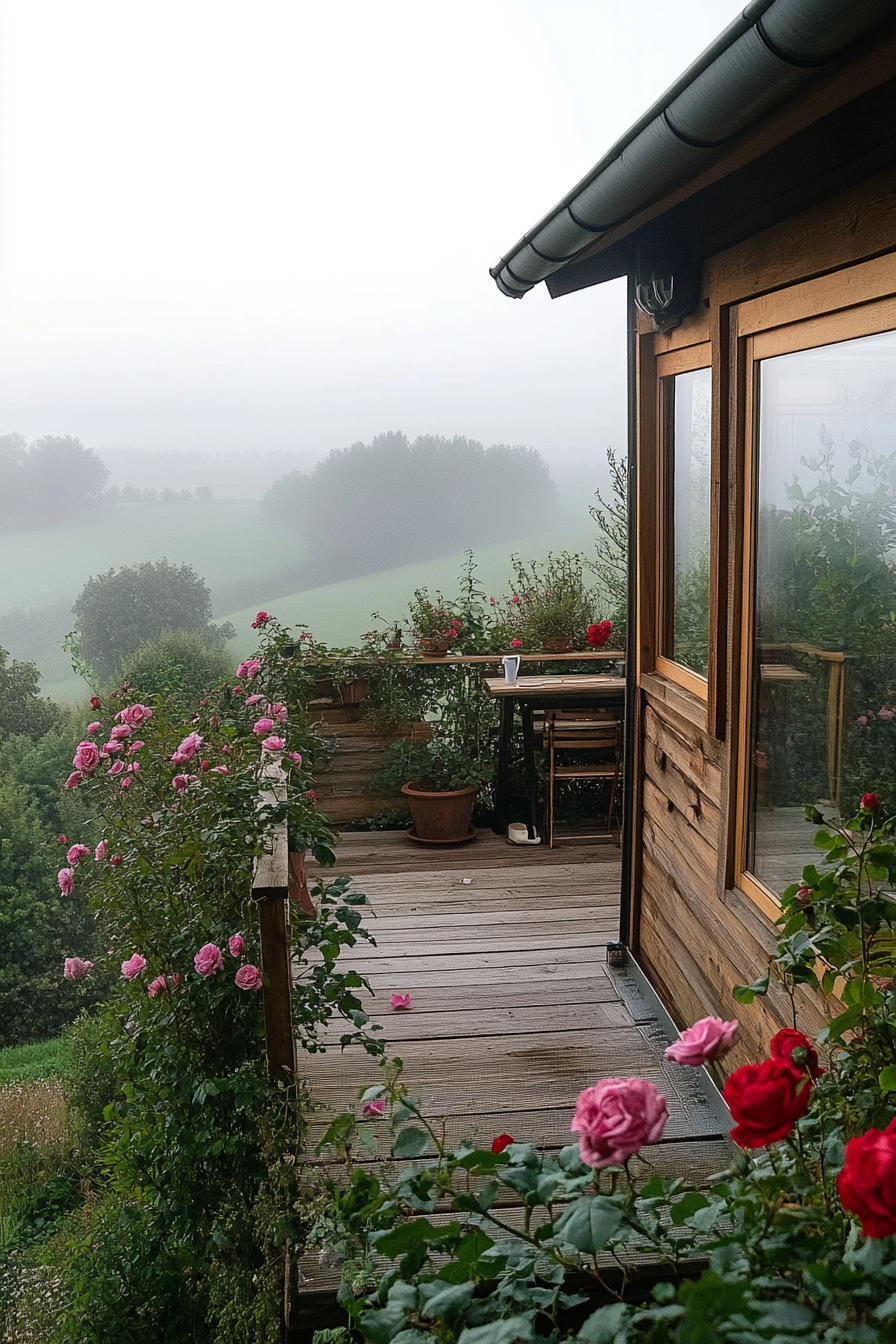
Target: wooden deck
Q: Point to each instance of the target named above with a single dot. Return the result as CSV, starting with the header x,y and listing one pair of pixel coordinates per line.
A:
x,y
513,1007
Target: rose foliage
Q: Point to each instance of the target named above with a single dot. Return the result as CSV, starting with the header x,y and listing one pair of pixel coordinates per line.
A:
x,y
193,1194
794,1241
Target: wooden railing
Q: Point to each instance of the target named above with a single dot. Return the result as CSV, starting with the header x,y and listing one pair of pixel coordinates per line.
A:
x,y
270,892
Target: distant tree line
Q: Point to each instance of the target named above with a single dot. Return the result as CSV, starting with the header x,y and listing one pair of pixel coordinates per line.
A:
x,y
393,501
50,479
133,494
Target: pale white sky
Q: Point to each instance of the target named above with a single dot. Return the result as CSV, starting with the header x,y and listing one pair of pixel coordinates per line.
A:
x,y
268,225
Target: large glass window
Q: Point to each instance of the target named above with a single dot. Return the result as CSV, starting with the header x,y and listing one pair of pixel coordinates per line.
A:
x,y
686,591
823,723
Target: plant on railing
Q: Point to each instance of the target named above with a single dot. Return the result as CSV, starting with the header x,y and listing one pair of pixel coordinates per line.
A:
x,y
192,1147
551,601
796,1241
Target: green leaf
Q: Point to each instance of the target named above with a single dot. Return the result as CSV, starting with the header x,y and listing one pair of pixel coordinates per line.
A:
x,y
508,1331
605,1324
403,1238
411,1142
686,1207
887,1078
746,993
449,1301
589,1223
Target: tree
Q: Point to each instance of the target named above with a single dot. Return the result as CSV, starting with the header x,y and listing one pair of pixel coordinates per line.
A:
x,y
120,610
611,564
22,711
377,505
52,478
39,927
179,662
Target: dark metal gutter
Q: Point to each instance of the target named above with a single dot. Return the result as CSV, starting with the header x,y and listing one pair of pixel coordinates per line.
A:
x,y
770,52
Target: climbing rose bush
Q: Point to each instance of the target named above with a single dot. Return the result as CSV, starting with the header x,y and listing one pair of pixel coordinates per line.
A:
x,y
199,1190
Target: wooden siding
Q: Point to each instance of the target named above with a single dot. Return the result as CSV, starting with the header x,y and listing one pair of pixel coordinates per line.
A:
x,y
694,931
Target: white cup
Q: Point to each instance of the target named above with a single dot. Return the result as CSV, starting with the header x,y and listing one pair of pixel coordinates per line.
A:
x,y
511,665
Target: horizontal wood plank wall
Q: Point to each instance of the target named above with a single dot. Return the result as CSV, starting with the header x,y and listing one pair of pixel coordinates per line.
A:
x,y
342,788
695,935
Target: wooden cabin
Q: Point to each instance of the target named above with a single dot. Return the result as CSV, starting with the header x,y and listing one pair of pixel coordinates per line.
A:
x,y
753,210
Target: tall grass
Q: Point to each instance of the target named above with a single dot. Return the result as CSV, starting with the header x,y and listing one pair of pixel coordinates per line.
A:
x,y
30,1063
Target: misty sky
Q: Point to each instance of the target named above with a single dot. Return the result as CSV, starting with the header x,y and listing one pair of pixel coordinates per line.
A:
x,y
268,225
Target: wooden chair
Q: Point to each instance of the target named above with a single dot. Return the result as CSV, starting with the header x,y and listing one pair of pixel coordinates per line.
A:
x,y
599,735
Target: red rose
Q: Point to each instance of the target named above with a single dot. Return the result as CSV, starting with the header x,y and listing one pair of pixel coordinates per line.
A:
x,y
599,634
784,1045
501,1142
867,1183
94,702
765,1100
870,802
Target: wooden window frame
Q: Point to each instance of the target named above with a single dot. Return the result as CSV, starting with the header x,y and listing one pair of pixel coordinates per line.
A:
x,y
845,305
668,364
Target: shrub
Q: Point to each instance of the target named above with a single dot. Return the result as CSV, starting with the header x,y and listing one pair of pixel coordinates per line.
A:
x,y
181,663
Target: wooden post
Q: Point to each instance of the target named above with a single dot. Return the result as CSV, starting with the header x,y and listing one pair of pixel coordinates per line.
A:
x,y
270,891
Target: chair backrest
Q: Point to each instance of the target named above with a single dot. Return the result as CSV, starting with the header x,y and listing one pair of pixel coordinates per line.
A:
x,y
584,734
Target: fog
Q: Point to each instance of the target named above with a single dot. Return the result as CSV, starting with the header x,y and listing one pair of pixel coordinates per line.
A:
x,y
234,239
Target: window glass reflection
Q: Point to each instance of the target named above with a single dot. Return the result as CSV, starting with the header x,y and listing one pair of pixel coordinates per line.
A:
x,y
689,463
824,660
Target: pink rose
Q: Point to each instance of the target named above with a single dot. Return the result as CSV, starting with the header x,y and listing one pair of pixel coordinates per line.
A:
x,y
75,968
208,960
295,757
235,945
76,854
135,766
254,699
401,1001
249,669
273,744
181,782
162,985
882,713
135,746
615,1117
220,770
187,749
710,1038
111,747
134,715
100,852
66,879
278,712
862,720
74,779
248,977
116,768
516,643
132,968
94,727
262,727
261,618
372,1110
86,758
119,731
126,783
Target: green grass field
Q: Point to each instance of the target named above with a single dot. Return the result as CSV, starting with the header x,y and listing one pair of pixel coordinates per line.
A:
x,y
340,613
227,543
223,540
29,1063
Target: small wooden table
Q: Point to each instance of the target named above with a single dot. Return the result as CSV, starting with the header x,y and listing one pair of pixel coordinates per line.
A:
x,y
572,692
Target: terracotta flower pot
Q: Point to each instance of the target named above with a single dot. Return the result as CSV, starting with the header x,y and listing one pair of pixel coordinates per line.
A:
x,y
441,818
353,692
323,688
555,645
434,648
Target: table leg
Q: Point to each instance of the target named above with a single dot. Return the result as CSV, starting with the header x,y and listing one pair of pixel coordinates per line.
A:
x,y
499,824
529,758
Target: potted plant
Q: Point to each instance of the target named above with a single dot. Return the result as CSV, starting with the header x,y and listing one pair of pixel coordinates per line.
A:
x,y
441,781
434,623
551,606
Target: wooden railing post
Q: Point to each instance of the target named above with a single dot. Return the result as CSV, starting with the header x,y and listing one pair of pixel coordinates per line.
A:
x,y
270,891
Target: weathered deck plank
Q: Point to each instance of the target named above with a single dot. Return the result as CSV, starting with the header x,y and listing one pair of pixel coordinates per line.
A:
x,y
513,1009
